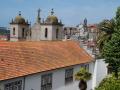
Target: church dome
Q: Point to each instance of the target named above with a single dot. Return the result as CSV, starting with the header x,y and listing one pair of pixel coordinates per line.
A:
x,y
19,19
52,19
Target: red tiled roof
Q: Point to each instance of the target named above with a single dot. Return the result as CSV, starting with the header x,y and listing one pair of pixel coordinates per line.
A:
x,y
24,58
92,26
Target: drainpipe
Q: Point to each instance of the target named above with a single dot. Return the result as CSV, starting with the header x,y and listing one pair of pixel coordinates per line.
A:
x,y
24,83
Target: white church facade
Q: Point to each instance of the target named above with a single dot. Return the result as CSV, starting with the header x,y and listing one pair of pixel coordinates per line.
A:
x,y
50,29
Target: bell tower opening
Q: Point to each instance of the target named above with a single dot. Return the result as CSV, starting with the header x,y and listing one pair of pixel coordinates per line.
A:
x,y
57,33
46,32
14,31
23,32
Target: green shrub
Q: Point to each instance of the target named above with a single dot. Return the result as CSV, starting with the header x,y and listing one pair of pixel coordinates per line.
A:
x,y
109,83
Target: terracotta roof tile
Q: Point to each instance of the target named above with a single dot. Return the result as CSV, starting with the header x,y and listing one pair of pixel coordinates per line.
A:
x,y
24,58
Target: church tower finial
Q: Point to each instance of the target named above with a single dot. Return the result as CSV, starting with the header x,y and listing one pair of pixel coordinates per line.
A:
x,y
39,10
52,11
38,16
85,24
85,21
19,13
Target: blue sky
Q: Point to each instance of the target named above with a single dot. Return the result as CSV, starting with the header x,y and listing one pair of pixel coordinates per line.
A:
x,y
71,12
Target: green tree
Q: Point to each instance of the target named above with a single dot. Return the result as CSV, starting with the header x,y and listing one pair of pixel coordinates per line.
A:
x,y
83,75
111,49
109,83
106,28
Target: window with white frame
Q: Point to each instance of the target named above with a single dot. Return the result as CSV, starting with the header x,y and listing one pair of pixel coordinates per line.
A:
x,y
68,76
17,85
46,82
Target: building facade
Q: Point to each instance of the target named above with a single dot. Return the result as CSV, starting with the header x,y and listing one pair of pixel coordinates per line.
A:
x,y
60,79
70,31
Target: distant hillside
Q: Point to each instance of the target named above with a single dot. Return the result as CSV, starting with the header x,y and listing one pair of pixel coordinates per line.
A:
x,y
4,31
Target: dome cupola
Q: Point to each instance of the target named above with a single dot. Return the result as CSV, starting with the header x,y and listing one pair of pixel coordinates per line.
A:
x,y
19,20
52,19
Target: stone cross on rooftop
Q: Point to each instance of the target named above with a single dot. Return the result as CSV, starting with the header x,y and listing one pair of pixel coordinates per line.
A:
x,y
52,12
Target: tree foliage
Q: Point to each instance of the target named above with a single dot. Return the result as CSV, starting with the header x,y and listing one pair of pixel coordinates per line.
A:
x,y
111,49
106,28
109,83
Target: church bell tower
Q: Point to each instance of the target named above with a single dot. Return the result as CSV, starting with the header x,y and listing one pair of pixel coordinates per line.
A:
x,y
18,28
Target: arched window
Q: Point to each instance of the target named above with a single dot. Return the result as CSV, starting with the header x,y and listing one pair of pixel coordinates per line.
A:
x,y
23,32
65,31
46,32
14,31
70,31
57,32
